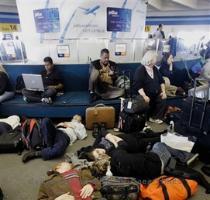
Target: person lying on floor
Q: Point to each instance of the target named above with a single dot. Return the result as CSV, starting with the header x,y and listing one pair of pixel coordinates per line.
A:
x,y
74,129
9,123
55,142
129,155
6,89
128,151
68,182
52,84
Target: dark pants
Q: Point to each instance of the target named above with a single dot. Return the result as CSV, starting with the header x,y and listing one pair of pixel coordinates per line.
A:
x,y
136,142
105,91
55,141
36,96
157,107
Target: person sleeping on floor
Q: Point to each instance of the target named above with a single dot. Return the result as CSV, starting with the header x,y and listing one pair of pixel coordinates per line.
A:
x,y
57,139
68,181
142,156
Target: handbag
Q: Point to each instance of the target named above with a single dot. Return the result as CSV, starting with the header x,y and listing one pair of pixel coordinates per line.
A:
x,y
119,188
135,105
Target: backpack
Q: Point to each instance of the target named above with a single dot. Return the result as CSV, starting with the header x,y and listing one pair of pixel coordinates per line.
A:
x,y
31,134
129,123
168,187
119,188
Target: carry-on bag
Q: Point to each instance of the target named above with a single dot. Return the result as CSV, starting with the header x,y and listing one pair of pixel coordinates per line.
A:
x,y
100,114
119,188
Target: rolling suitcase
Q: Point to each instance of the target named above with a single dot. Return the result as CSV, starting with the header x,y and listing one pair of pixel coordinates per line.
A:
x,y
100,114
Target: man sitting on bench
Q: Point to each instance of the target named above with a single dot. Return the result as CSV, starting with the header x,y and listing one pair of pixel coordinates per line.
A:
x,y
102,78
52,84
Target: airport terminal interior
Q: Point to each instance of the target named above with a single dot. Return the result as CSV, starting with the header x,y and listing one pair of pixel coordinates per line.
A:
x,y
104,99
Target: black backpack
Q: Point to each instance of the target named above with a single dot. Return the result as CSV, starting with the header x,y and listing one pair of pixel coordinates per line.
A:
x,y
131,122
31,134
10,140
119,188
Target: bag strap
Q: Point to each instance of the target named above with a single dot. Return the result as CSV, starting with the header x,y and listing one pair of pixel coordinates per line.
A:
x,y
187,187
164,189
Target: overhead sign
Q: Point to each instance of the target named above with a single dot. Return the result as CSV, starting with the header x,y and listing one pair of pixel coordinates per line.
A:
x,y
118,19
47,20
5,27
63,51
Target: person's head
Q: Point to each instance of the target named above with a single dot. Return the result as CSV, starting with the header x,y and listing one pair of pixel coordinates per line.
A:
x,y
149,59
48,63
104,56
77,118
61,168
99,167
91,154
160,27
168,58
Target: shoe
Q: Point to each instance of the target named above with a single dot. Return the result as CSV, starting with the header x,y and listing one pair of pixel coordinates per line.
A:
x,y
206,170
93,97
157,121
47,100
25,99
96,130
30,155
103,126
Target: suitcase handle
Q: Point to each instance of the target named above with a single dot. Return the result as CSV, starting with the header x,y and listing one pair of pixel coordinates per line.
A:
x,y
99,105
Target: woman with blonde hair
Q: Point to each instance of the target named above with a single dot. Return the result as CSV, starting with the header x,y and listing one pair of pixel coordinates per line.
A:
x,y
6,89
149,83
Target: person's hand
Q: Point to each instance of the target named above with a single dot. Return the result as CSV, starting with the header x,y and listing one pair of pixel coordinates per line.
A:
x,y
65,196
163,95
111,72
146,99
60,124
51,87
86,191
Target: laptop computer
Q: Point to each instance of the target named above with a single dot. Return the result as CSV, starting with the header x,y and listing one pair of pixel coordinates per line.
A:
x,y
33,82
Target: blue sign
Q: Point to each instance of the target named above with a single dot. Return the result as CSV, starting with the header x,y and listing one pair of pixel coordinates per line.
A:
x,y
118,19
47,20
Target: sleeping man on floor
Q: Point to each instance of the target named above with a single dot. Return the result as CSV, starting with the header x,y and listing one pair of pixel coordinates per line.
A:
x,y
55,140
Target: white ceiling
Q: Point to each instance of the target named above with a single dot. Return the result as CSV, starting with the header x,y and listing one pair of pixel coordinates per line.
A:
x,y
180,7
155,7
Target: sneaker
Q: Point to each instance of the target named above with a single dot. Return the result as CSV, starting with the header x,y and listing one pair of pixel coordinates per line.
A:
x,y
25,99
46,100
157,121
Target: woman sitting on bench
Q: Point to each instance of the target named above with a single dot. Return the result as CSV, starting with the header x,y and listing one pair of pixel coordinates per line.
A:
x,y
6,89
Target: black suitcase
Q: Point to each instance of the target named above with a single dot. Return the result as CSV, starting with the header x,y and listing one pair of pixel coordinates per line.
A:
x,y
199,118
11,142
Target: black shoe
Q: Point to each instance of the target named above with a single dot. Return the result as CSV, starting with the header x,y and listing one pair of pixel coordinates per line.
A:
x,y
30,155
206,170
96,130
93,97
103,126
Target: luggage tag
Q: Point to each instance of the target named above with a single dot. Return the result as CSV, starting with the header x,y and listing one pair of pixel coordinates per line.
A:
x,y
129,106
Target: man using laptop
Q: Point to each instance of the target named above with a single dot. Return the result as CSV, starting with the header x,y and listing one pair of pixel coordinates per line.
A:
x,y
52,84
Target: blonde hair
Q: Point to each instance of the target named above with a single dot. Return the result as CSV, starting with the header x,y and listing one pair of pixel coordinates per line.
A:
x,y
2,69
149,58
